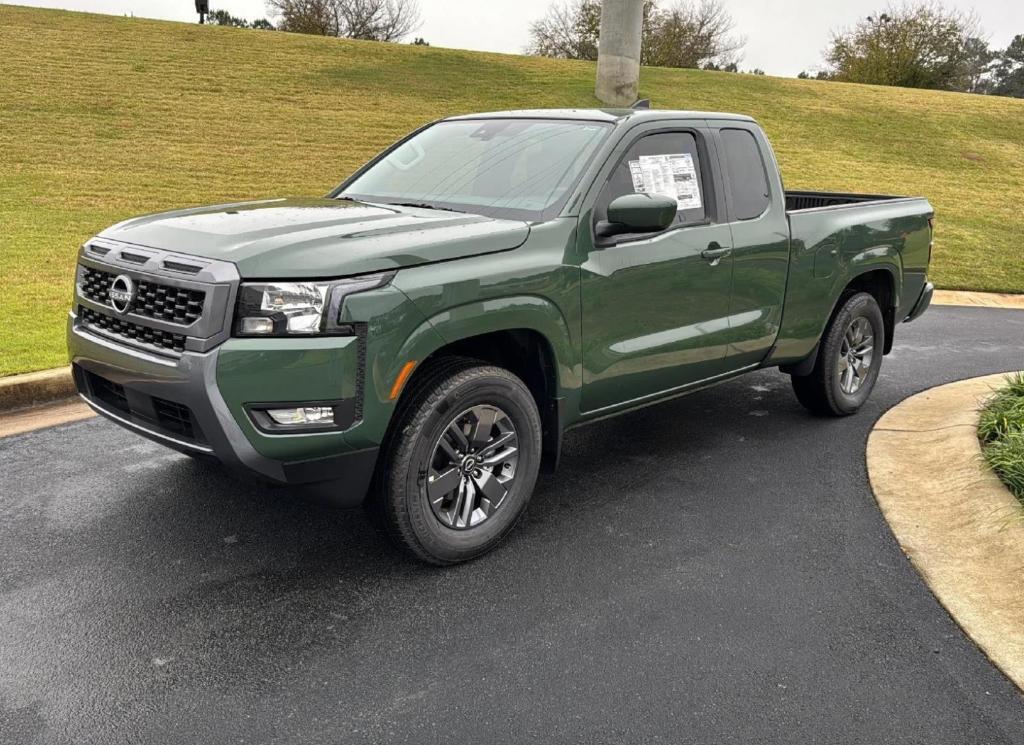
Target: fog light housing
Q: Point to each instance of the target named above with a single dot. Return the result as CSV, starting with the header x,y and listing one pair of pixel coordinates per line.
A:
x,y
287,417
254,326
302,415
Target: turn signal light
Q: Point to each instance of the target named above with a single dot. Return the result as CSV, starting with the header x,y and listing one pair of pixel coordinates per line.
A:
x,y
400,381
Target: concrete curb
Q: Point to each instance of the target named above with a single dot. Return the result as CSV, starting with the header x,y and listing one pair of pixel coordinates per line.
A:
x,y
954,519
33,389
978,299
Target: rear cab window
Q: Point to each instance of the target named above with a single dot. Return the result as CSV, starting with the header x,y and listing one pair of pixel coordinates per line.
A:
x,y
666,163
747,179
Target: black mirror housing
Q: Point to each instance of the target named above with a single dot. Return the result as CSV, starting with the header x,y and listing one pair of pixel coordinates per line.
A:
x,y
641,213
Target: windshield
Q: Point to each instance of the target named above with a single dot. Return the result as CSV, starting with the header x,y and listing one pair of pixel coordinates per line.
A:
x,y
511,168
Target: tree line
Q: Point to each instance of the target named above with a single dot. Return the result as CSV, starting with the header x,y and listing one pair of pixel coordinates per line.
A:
x,y
696,34
372,20
922,45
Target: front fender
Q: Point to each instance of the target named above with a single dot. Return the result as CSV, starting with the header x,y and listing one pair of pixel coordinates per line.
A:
x,y
527,312
401,332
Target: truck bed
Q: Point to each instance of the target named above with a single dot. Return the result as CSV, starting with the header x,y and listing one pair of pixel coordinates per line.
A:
x,y
812,200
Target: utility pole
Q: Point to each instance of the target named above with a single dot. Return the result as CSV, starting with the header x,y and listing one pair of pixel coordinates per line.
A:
x,y
618,52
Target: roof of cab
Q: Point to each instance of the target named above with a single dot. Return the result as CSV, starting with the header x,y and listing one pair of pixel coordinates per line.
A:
x,y
602,115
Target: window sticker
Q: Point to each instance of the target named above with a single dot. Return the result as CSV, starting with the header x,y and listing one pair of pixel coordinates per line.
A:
x,y
672,175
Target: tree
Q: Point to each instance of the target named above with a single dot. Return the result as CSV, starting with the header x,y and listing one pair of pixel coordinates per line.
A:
x,y
689,34
914,46
980,60
568,31
419,41
1008,73
223,18
316,17
686,34
373,20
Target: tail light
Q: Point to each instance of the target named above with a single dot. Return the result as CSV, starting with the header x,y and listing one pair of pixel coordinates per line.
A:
x,y
931,237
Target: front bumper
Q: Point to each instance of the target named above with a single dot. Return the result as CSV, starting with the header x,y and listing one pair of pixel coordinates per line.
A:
x,y
179,403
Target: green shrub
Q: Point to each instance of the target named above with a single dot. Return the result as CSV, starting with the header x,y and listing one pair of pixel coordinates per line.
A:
x,y
1001,431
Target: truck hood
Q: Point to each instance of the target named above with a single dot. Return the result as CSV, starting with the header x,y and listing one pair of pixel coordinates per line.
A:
x,y
285,238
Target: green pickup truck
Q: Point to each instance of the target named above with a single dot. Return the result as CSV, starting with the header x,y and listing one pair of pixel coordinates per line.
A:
x,y
421,338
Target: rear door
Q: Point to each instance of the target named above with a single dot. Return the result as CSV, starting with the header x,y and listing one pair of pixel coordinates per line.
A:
x,y
756,208
655,306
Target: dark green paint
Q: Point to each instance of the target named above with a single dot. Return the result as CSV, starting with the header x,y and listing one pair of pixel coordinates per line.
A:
x,y
299,238
628,321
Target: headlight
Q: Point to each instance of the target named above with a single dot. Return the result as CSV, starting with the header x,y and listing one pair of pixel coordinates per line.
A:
x,y
298,308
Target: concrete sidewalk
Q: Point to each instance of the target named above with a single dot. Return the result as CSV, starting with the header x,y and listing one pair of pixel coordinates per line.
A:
x,y
952,516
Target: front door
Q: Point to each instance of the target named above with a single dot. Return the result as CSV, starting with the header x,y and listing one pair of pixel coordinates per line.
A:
x,y
655,306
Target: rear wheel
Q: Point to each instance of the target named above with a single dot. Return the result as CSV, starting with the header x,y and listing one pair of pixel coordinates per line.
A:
x,y
461,465
849,360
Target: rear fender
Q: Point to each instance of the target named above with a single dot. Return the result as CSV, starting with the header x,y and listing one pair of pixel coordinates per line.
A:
x,y
806,317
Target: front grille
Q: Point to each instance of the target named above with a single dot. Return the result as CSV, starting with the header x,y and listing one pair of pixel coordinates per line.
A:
x,y
153,300
167,417
132,331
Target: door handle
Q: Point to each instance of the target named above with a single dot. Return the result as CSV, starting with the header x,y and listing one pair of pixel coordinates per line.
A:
x,y
715,252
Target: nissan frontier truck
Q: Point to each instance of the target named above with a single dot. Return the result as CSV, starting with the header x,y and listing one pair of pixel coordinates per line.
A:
x,y
420,339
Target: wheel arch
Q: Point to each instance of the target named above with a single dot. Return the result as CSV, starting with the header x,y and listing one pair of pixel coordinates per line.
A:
x,y
526,335
879,281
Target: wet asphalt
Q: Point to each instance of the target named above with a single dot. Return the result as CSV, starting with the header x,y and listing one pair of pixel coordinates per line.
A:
x,y
710,570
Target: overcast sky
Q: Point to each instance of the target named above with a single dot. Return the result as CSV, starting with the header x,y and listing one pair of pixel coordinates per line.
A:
x,y
783,36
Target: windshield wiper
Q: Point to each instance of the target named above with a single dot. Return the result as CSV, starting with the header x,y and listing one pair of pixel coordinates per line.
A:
x,y
420,205
424,205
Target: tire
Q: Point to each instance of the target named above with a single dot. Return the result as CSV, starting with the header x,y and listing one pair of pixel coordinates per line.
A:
x,y
828,390
412,500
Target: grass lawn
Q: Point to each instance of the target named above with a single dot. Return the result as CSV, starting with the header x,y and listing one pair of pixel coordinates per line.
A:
x,y
1001,430
104,117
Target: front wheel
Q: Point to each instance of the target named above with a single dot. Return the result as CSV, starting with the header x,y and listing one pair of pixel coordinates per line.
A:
x,y
849,360
462,463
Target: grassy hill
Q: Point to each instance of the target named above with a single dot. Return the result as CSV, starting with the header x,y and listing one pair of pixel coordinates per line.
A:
x,y
104,117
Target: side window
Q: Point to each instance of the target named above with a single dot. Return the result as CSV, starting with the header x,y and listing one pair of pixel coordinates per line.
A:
x,y
748,182
666,163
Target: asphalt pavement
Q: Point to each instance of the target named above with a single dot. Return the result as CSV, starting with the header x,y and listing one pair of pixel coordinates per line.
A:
x,y
710,570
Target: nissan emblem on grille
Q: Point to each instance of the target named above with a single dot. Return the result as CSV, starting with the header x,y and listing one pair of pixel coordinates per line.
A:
x,y
121,293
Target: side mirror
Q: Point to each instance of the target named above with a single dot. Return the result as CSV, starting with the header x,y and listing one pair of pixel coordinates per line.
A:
x,y
638,213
